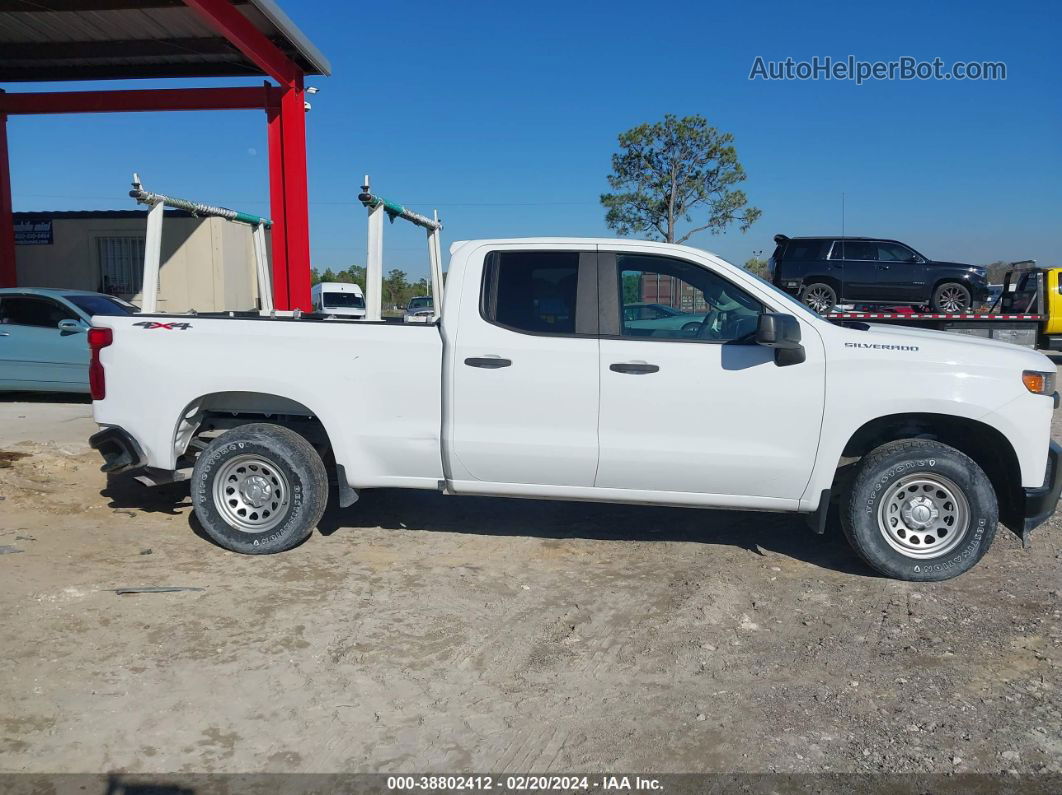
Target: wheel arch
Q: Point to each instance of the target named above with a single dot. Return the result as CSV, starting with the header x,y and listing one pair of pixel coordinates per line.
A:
x,y
832,281
987,446
953,279
229,409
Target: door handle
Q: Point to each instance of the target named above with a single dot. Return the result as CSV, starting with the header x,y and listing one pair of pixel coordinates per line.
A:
x,y
5,334
633,368
487,362
883,267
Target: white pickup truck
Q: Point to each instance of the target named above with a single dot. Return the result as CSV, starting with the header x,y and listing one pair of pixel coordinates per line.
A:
x,y
586,369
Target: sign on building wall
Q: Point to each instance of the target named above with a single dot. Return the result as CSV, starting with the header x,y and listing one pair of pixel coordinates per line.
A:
x,y
34,232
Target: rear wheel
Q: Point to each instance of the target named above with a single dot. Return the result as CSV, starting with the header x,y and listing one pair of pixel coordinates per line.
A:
x,y
259,489
920,510
820,297
950,298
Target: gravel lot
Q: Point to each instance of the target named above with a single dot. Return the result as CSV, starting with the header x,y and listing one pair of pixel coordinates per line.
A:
x,y
419,632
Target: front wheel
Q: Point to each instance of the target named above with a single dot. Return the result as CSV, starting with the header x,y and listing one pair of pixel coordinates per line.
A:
x,y
951,298
820,297
920,510
259,489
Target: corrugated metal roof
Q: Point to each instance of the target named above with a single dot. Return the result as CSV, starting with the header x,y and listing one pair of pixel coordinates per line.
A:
x,y
99,39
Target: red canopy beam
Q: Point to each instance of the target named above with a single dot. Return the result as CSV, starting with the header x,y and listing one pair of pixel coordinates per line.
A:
x,y
161,99
223,17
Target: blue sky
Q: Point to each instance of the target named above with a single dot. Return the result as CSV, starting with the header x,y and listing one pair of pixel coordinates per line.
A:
x,y
504,117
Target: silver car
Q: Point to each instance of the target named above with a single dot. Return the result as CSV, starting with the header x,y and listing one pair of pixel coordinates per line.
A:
x,y
420,309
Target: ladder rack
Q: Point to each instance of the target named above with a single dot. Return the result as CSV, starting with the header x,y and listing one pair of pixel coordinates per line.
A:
x,y
378,207
153,242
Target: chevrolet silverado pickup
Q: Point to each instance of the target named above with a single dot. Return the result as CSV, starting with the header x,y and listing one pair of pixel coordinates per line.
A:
x,y
535,382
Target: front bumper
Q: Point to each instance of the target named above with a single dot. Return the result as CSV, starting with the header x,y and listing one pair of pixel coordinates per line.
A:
x,y
119,450
1041,501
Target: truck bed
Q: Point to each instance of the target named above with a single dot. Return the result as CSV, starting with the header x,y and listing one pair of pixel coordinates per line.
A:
x,y
177,364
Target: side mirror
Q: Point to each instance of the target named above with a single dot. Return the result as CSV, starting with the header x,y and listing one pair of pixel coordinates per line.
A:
x,y
70,326
781,332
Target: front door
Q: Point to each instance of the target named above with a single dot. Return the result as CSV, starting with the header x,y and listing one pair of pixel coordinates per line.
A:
x,y
34,352
862,279
524,365
903,271
704,411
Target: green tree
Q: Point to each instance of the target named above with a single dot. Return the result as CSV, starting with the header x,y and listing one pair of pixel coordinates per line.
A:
x,y
395,286
674,171
757,266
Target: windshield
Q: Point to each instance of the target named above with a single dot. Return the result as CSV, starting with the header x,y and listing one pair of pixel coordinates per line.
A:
x,y
101,305
419,303
342,301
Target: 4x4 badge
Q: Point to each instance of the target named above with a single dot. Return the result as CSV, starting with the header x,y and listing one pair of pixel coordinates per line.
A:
x,y
152,324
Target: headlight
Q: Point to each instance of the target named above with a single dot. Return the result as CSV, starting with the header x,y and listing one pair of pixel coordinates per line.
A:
x,y
1038,383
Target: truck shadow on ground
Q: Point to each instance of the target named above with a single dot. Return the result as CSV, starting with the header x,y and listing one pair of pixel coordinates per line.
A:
x,y
125,493
410,510
757,532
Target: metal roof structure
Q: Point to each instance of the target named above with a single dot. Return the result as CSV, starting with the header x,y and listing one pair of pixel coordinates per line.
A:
x,y
42,40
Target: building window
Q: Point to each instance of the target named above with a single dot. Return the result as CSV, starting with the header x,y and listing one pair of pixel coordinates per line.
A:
x,y
121,265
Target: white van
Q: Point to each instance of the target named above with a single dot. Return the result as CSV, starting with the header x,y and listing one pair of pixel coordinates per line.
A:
x,y
338,298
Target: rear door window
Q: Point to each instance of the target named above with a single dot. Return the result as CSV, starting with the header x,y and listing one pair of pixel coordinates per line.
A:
x,y
535,292
854,249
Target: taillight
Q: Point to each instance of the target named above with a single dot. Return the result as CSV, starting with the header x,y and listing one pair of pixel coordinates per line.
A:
x,y
98,339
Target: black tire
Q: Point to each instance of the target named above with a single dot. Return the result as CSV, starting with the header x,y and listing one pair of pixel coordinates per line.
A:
x,y
280,470
820,296
951,297
883,475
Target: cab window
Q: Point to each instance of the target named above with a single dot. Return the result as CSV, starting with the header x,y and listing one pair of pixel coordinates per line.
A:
x,y
24,310
695,303
534,292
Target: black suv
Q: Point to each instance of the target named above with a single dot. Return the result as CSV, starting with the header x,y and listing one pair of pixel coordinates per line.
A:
x,y
825,271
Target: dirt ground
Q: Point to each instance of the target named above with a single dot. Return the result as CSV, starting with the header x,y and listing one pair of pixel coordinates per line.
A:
x,y
418,632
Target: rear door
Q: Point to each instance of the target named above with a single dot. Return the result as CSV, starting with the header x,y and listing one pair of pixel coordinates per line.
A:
x,y
862,278
524,372
34,352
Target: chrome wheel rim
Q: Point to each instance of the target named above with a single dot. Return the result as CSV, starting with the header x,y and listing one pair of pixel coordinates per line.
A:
x,y
819,299
952,299
924,515
251,493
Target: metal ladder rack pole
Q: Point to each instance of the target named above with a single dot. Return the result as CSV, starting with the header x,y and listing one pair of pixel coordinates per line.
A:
x,y
435,263
374,258
149,290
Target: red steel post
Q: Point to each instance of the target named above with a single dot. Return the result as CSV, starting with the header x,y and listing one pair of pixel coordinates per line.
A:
x,y
7,221
289,200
